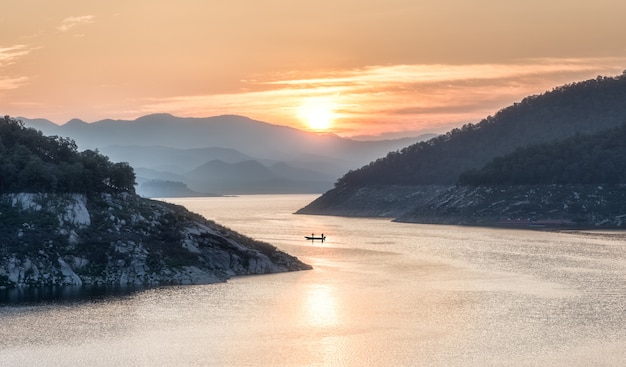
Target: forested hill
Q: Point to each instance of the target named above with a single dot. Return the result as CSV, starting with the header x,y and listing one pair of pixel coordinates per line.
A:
x,y
582,159
33,162
584,107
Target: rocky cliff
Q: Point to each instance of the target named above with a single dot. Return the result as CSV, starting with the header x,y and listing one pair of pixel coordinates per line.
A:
x,y
525,205
121,239
590,206
388,201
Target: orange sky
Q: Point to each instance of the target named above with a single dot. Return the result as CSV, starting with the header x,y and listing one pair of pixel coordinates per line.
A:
x,y
384,66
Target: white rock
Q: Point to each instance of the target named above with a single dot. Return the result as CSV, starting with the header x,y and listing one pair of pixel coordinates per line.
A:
x,y
69,276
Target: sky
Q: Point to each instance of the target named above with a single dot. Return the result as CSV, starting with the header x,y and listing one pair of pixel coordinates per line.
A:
x,y
351,67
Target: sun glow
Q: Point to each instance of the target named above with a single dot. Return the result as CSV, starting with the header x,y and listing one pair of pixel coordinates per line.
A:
x,y
317,113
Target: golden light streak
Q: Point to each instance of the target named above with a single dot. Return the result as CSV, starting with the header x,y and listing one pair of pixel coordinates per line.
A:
x,y
321,306
392,98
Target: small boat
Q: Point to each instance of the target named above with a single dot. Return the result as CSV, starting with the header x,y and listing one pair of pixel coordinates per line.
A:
x,y
312,237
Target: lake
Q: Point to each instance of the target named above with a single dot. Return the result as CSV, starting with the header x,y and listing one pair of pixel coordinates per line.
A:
x,y
380,294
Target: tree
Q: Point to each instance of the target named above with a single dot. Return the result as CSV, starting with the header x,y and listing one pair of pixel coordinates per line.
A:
x,y
122,177
30,161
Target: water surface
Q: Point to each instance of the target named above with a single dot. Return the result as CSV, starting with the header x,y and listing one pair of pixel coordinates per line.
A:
x,y
380,294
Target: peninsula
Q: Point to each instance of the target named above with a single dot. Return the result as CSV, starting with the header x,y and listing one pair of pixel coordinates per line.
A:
x,y
73,218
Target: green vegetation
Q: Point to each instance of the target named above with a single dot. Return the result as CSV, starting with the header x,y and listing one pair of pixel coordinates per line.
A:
x,y
581,108
595,159
24,234
32,162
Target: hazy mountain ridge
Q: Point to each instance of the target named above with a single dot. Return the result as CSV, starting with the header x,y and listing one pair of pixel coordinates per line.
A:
x,y
158,188
250,137
175,145
593,158
174,160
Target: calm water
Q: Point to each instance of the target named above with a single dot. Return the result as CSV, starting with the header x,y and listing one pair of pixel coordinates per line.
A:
x,y
380,294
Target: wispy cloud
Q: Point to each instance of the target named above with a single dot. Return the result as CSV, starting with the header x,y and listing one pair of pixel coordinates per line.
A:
x,y
72,22
9,56
12,83
397,97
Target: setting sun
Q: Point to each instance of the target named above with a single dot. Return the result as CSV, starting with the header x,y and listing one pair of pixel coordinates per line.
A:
x,y
317,113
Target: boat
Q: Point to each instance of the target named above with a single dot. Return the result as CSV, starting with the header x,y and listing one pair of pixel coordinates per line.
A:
x,y
312,237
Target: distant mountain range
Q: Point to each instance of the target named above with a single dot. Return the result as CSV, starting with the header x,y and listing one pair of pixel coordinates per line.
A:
x,y
223,154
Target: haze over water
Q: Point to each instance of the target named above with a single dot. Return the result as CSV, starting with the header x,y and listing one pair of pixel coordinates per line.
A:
x,y
380,294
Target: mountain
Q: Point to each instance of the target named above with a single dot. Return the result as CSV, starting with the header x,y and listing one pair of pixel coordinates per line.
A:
x,y
72,218
571,136
285,169
168,189
40,124
236,172
174,146
256,139
250,177
240,177
583,159
146,174
174,160
584,108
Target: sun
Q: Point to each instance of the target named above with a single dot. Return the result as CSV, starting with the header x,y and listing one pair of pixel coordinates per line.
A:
x,y
317,113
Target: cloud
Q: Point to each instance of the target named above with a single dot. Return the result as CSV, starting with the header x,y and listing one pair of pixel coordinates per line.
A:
x,y
12,83
9,54
71,22
395,97
409,96
407,75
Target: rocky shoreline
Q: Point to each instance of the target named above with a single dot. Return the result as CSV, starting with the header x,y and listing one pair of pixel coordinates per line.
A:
x,y
122,239
522,206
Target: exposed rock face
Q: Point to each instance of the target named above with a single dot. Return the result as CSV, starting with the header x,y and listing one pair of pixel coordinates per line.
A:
x,y
547,205
72,239
388,201
524,205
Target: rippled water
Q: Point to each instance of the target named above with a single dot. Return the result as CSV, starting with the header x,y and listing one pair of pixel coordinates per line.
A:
x,y
380,294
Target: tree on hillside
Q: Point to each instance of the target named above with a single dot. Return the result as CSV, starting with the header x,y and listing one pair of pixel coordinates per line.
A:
x,y
585,107
32,162
582,159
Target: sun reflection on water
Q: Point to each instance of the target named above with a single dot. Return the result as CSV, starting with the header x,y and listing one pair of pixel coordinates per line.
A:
x,y
321,306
